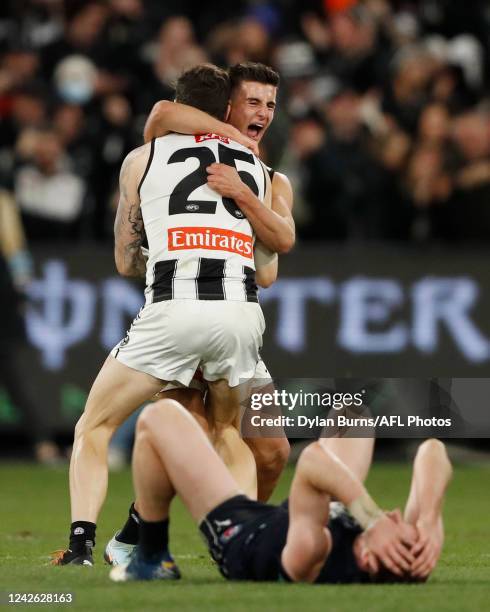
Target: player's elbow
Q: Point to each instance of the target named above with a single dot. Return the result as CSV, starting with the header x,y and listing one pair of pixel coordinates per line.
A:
x,y
157,119
285,244
126,272
265,278
434,450
265,283
312,456
122,266
161,109
129,272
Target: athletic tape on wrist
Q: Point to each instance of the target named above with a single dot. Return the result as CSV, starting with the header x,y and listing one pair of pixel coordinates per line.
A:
x,y
365,510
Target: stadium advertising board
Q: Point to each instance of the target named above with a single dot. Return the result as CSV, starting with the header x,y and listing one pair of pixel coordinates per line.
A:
x,y
334,312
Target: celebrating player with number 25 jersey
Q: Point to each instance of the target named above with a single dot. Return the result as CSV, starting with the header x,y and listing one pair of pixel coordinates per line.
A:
x,y
201,304
200,249
200,244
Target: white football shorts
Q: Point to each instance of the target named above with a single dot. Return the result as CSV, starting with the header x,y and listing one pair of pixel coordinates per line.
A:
x,y
261,378
171,339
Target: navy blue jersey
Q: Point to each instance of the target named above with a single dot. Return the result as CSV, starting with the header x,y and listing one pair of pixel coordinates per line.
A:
x,y
246,539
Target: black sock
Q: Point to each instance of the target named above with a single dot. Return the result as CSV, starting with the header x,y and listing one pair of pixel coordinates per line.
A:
x,y
82,533
153,538
129,534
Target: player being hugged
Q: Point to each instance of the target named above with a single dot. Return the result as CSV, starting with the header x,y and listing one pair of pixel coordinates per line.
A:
x,y
201,305
255,462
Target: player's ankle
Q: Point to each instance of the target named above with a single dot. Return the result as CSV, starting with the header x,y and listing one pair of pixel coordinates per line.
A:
x,y
129,534
82,534
153,541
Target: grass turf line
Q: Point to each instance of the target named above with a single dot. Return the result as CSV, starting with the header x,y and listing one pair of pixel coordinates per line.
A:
x,y
34,517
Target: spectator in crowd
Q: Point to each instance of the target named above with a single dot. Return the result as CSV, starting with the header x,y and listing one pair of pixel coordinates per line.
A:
x,y
27,108
379,104
470,212
114,136
175,50
15,274
50,195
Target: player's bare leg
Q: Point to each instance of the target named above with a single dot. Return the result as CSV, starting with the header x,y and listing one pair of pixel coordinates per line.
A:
x,y
171,454
232,450
117,391
271,456
257,477
239,460
121,546
432,472
222,412
190,464
223,407
269,445
230,447
193,402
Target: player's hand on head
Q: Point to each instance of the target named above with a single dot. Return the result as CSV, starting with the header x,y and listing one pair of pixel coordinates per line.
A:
x,y
369,561
387,540
225,180
427,548
395,515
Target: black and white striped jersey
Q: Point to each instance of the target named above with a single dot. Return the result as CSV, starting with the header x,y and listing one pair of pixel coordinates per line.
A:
x,y
200,245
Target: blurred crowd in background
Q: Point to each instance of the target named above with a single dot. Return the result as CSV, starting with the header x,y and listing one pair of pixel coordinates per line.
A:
x,y
383,123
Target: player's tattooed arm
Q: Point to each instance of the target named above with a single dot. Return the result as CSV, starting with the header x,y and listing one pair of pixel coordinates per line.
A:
x,y
134,262
129,229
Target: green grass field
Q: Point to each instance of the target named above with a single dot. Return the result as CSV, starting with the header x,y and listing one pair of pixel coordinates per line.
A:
x,y
34,515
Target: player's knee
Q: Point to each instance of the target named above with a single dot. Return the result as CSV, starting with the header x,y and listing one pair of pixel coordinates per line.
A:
x,y
152,415
95,435
157,415
87,428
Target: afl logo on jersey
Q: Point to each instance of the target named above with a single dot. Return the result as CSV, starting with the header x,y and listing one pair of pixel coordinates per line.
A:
x,y
124,341
192,207
238,214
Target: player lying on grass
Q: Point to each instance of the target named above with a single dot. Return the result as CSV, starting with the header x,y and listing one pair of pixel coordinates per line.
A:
x,y
309,540
238,454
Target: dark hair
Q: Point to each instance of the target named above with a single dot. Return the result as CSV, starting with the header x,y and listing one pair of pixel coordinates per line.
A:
x,y
386,576
205,87
251,71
